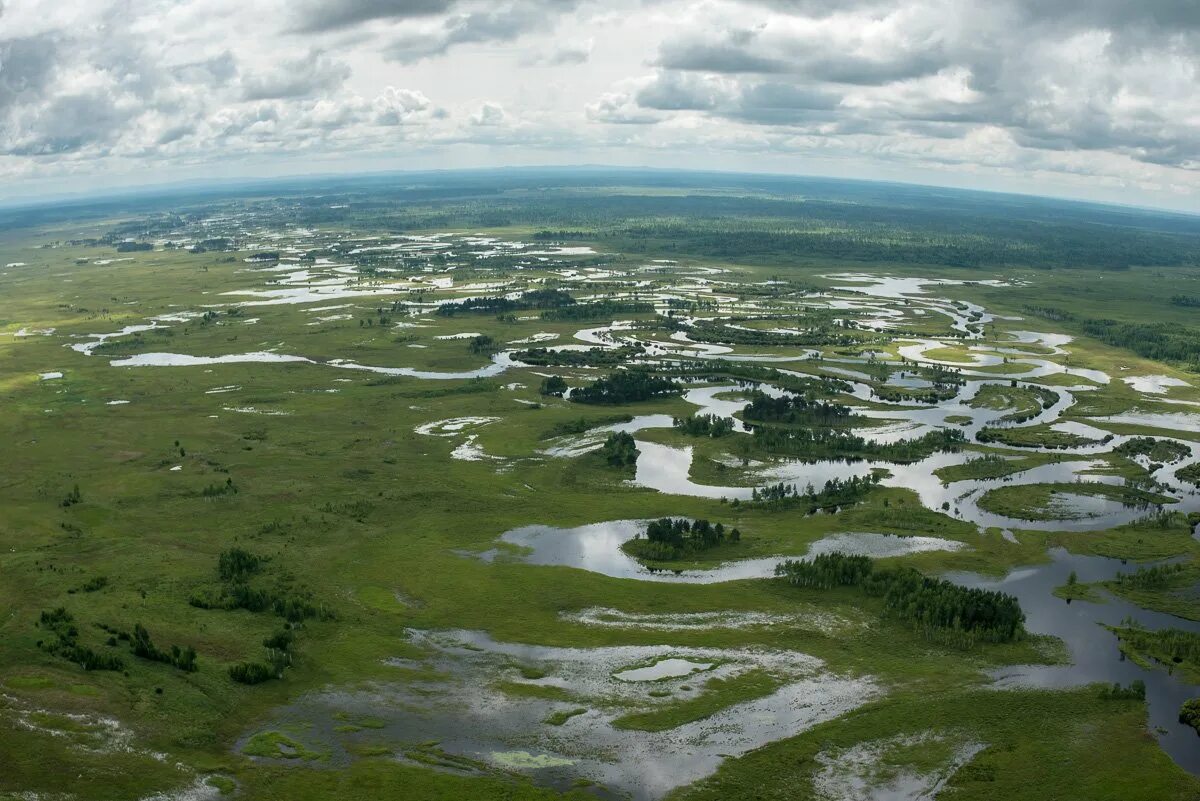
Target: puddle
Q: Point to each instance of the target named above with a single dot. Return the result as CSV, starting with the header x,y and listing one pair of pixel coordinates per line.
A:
x,y
469,717
672,668
452,426
1154,384
810,618
597,548
858,773
1168,421
1094,653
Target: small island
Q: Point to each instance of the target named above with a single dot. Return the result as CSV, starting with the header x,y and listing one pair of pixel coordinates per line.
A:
x,y
669,539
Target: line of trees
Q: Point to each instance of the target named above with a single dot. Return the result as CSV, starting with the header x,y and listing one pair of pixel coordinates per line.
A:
x,y
592,357
63,641
942,610
182,658
499,304
834,495
834,444
1150,578
816,337
746,373
598,310
235,566
1169,646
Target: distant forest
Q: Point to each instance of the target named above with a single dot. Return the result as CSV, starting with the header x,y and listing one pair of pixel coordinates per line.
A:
x,y
752,218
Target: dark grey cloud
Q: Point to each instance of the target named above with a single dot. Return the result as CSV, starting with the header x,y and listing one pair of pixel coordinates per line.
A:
x,y
500,23
1012,84
778,103
1118,15
673,91
27,65
737,53
309,75
774,102
918,68
750,52
71,122
322,15
216,71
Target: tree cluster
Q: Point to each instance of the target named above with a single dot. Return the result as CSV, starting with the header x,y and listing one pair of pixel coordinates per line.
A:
x,y
703,425
941,609
1151,578
626,386
182,658
673,538
620,449
834,444
835,494
64,642
794,409
597,310
592,357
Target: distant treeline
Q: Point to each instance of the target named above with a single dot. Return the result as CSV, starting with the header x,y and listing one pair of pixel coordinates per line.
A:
x,y
534,299
944,611
749,217
592,357
746,373
599,310
1169,342
815,338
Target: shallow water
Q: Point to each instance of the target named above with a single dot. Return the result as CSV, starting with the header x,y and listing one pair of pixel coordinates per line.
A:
x,y
1094,652
597,548
466,716
672,668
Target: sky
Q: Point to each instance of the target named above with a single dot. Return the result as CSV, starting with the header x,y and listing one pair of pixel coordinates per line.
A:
x,y
1092,99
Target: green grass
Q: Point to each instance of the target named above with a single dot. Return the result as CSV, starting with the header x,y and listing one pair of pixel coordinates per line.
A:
x,y
716,694
991,465
1039,501
359,513
561,716
276,745
1078,592
1038,745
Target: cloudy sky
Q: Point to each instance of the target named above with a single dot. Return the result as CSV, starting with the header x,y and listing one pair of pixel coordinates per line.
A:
x,y
1082,98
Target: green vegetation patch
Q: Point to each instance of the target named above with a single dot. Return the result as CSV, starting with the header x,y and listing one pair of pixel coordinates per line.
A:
x,y
1051,501
716,694
277,745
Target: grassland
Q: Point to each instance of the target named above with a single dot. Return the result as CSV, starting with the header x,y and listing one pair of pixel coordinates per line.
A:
x,y
125,486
